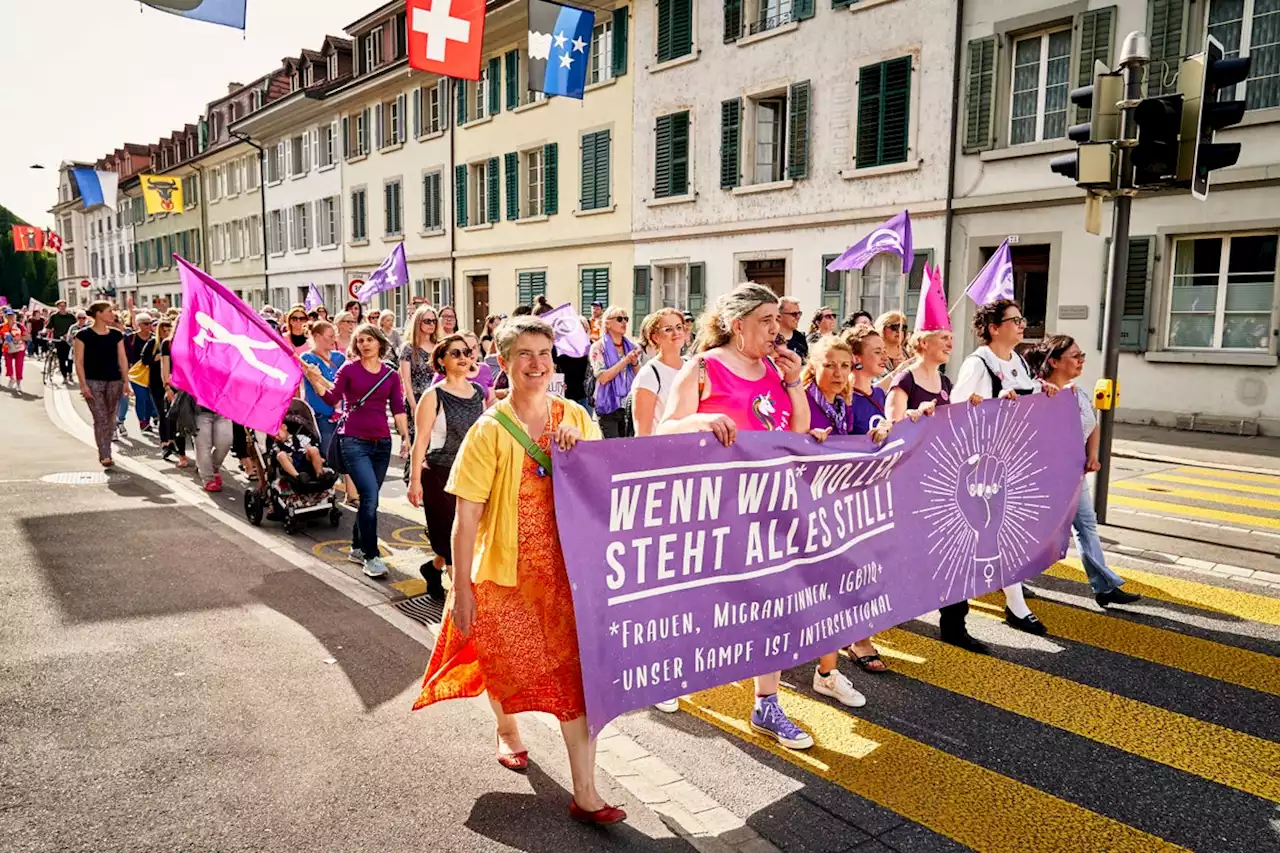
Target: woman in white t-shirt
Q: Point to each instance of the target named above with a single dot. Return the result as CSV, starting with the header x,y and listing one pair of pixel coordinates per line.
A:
x,y
663,332
995,369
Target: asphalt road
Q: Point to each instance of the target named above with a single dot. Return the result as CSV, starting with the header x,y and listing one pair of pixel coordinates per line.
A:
x,y
1148,728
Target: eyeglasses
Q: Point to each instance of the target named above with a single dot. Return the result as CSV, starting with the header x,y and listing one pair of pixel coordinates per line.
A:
x,y
671,330
427,322
791,313
297,319
459,353
895,327
826,316
1017,321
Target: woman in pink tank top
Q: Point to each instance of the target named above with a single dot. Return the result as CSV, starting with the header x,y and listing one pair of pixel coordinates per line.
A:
x,y
742,379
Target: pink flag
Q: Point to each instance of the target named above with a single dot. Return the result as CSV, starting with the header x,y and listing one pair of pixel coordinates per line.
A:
x,y
931,315
228,358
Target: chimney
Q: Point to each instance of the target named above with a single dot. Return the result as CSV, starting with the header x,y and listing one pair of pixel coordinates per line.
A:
x,y
232,88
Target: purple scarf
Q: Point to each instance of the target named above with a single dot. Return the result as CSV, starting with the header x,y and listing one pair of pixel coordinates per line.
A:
x,y
610,395
837,412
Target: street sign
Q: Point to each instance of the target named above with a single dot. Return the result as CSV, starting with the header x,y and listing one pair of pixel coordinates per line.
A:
x,y
85,283
356,284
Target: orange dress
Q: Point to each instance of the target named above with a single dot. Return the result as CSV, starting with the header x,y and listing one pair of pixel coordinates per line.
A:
x,y
523,647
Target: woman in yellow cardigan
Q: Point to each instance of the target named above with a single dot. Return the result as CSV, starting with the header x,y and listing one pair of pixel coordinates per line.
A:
x,y
509,629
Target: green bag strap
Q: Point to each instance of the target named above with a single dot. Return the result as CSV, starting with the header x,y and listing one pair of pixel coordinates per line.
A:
x,y
530,446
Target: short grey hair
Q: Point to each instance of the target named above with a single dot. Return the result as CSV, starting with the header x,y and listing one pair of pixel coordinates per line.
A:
x,y
510,330
788,300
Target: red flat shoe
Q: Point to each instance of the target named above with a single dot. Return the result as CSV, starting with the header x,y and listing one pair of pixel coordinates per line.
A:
x,y
516,761
600,817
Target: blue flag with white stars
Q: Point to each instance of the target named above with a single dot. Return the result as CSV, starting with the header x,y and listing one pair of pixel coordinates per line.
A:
x,y
559,48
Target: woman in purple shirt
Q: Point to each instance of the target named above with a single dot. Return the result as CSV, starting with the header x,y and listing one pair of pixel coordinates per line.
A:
x,y
367,387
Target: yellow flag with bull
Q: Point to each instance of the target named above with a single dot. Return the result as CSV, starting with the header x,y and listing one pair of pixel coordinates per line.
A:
x,y
162,193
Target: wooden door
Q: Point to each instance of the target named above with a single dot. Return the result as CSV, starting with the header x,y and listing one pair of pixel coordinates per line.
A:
x,y
479,301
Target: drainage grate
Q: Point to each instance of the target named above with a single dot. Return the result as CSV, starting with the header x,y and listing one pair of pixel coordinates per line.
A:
x,y
77,478
422,609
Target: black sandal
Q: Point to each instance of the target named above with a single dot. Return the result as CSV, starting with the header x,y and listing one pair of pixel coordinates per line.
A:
x,y
864,664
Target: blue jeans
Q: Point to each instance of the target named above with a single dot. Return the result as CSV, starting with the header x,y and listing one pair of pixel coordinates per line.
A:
x,y
142,401
122,409
366,463
327,429
1084,533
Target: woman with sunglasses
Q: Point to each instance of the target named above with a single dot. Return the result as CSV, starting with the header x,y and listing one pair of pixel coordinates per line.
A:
x,y
480,373
663,332
615,361
1060,361
995,369
822,324
296,329
345,323
444,415
416,371
448,321
892,326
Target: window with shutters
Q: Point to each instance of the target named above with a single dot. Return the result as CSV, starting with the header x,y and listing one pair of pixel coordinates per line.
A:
x,y
1250,28
593,287
1040,84
530,285
327,227
432,110
328,146
1222,292
596,154
769,132
878,287
360,133
432,202
478,179
300,228
480,94
372,45
1165,31
884,113
299,156
770,14
532,195
670,286
252,175
671,155
253,235
674,29
236,239
393,208
601,67
359,215
190,192
233,178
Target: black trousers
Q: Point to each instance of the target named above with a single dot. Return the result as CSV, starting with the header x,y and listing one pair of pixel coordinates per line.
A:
x,y
64,357
617,424
951,618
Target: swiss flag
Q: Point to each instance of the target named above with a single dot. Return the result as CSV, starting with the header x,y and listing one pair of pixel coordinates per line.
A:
x,y
445,36
27,238
52,242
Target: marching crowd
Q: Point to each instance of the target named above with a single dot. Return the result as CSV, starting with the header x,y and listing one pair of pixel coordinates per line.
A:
x,y
476,416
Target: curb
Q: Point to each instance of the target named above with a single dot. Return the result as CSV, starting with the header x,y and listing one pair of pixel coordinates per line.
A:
x,y
1197,463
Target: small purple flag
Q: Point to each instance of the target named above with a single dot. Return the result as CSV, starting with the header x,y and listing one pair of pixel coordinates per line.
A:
x,y
893,237
995,280
392,273
571,339
314,300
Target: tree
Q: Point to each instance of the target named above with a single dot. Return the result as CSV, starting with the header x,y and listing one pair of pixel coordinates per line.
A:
x,y
24,274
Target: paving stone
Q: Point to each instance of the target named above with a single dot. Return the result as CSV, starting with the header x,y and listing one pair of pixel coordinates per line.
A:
x,y
1193,563
741,835
1233,571
656,770
720,821
615,766
1269,577
678,819
1127,549
690,796
1159,556
1253,581
871,846
758,845
624,747
710,844
644,790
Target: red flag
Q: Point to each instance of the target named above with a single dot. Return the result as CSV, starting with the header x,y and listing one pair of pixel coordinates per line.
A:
x,y
445,36
27,238
52,242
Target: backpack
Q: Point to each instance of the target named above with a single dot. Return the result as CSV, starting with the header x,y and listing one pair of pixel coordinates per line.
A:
x,y
997,384
182,414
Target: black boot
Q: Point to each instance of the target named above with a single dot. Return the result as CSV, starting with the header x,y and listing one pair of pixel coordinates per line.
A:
x,y
434,578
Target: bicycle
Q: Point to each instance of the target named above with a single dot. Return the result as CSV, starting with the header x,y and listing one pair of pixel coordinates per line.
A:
x,y
50,363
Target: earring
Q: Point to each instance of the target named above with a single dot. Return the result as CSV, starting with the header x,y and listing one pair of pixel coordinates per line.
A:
x,y
857,365
740,343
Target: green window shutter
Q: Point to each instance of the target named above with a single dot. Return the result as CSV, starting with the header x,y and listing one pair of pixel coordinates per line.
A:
x,y
1137,294
1097,31
1164,28
732,20
535,285
587,182
604,153
682,27
595,170
551,179
523,295
621,20
840,4
662,157
979,100
595,287
730,143
495,86
512,159
663,37
798,131
680,153
639,297
832,287
803,9
460,195
461,89
513,79
495,206
697,288
884,95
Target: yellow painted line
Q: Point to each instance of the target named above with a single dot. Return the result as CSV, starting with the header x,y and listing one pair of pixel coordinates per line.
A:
x,y
1232,475
1210,751
982,809
1197,495
1247,488
1198,512
411,587
1168,648
1241,605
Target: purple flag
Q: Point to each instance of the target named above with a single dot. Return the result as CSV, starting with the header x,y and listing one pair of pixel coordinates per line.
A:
x,y
694,565
995,280
392,273
571,339
314,300
228,358
893,237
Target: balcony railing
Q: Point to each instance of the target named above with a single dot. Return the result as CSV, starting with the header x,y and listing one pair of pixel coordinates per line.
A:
x,y
783,16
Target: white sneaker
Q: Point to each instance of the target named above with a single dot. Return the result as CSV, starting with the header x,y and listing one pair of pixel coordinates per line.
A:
x,y
375,568
355,556
838,687
668,706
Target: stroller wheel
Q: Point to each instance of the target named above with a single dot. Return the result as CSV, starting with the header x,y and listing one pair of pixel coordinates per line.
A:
x,y
291,524
335,516
253,508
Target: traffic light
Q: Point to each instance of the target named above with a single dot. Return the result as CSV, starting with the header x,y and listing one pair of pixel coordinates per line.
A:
x,y
1200,80
1155,157
1093,163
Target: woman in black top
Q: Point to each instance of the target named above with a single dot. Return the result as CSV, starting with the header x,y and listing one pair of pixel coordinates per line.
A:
x,y
102,366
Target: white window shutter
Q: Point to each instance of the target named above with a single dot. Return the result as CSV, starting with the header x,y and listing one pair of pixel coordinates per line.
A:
x,y
315,147
417,112
293,235
377,126
446,291
446,105
402,111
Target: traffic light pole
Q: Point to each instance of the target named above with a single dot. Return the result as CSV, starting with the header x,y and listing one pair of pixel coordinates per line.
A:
x,y
1134,57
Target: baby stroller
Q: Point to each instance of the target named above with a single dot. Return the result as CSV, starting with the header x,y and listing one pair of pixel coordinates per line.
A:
x,y
291,500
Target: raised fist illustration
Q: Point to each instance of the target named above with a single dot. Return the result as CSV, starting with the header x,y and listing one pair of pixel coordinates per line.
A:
x,y
980,494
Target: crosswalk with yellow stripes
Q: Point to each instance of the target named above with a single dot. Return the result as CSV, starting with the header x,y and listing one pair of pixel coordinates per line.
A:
x,y
1179,722
1236,500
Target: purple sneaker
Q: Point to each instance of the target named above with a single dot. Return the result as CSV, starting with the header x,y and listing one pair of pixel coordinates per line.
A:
x,y
769,718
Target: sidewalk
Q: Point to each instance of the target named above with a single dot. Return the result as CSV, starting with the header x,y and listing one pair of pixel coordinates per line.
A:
x,y
1259,454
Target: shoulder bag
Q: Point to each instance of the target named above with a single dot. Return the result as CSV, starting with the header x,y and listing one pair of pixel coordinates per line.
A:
x,y
336,463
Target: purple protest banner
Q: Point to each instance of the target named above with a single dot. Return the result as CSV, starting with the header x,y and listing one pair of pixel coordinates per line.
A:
x,y
694,565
